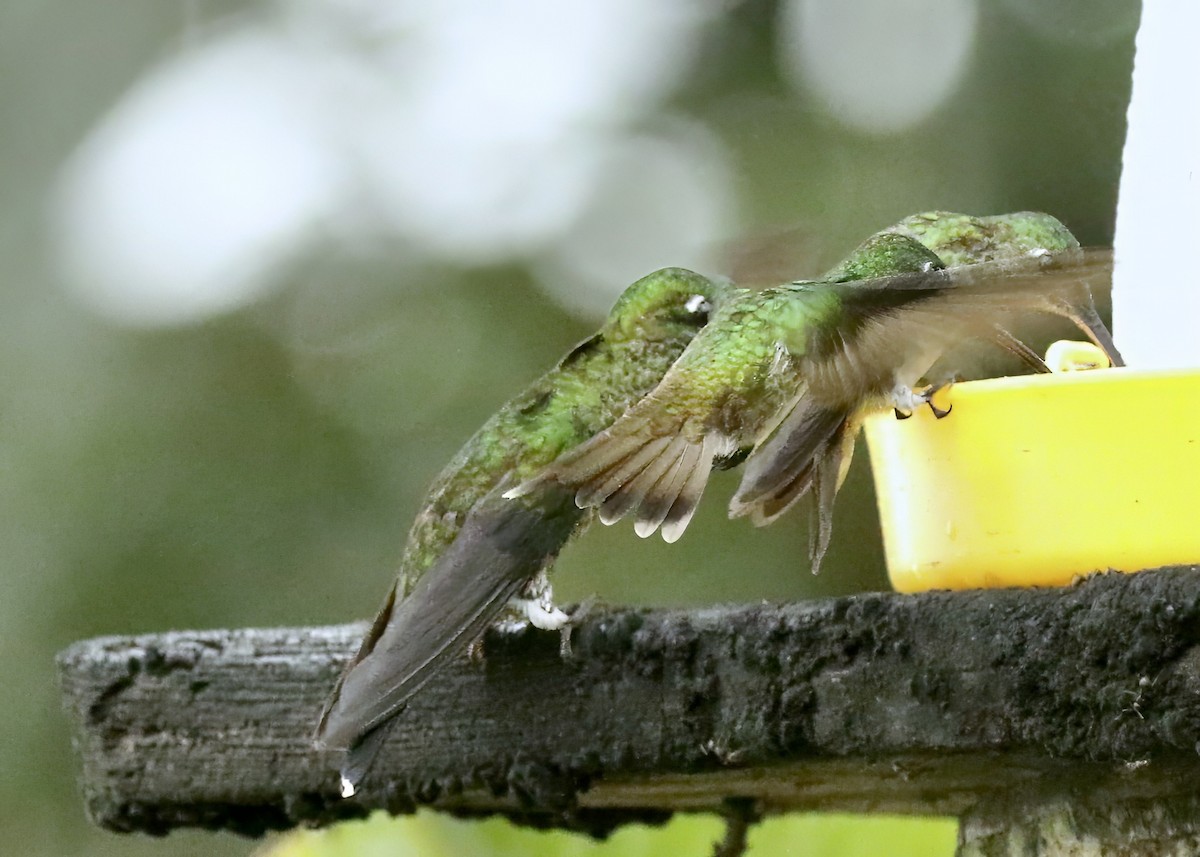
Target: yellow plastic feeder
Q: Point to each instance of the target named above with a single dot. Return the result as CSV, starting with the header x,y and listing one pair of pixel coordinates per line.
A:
x,y
1035,480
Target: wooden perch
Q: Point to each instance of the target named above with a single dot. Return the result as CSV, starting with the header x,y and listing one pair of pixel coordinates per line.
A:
x,y
995,706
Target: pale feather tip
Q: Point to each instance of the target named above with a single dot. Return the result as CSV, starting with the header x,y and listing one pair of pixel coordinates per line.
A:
x,y
672,531
520,491
645,529
608,517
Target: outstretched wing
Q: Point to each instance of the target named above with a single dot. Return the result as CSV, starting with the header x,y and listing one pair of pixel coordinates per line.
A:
x,y
502,544
973,299
893,326
651,462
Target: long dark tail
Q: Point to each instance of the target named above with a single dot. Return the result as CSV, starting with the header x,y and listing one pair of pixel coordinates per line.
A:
x,y
502,545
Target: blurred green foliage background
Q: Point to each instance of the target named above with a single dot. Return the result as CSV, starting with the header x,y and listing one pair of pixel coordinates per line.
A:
x,y
229,434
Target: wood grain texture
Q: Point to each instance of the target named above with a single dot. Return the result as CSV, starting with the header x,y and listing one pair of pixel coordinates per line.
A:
x,y
933,703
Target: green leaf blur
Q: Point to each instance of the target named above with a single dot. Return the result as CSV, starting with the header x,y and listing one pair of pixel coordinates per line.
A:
x,y
430,835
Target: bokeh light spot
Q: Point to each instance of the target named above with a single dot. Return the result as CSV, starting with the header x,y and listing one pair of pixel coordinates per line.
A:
x,y
879,66
205,179
664,199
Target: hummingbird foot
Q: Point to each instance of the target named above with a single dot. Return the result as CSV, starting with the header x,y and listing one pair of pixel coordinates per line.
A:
x,y
905,400
929,392
940,413
535,604
515,624
540,612
582,610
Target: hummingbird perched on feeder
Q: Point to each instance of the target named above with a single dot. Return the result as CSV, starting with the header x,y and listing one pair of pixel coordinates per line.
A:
x,y
475,559
963,239
783,377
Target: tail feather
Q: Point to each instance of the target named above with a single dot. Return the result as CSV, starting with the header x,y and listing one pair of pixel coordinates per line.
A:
x,y
807,454
360,757
770,508
502,545
829,471
780,466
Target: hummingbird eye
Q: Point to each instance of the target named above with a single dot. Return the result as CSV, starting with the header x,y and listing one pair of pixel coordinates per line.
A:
x,y
697,305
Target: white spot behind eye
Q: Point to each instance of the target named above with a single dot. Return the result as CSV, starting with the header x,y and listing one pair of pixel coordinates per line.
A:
x,y
697,304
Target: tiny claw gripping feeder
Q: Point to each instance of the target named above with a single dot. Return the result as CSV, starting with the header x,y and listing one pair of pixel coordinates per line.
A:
x,y
1038,479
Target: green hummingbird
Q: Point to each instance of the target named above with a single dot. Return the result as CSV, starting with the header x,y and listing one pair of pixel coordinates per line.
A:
x,y
1008,247
963,239
473,558
785,375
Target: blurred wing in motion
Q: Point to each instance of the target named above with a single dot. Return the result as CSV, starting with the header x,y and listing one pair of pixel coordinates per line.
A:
x,y
899,325
1077,302
1060,283
812,446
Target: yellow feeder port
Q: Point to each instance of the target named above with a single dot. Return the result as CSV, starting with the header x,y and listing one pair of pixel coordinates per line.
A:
x,y
1035,480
